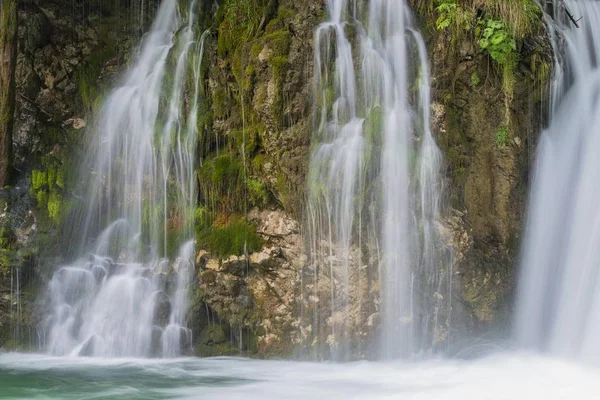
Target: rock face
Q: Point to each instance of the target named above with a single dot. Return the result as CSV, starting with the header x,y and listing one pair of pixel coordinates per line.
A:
x,y
255,122
486,126
62,60
255,153
252,300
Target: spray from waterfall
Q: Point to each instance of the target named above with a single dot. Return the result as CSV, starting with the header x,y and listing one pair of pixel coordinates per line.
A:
x,y
126,293
558,304
374,188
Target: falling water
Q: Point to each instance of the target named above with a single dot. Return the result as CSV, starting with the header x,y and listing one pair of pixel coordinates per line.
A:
x,y
559,294
374,184
123,296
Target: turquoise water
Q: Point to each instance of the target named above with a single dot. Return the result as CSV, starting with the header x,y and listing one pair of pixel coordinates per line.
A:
x,y
505,376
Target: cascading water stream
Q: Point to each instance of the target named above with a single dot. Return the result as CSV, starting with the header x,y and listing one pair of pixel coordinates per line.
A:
x,y
122,296
374,183
559,293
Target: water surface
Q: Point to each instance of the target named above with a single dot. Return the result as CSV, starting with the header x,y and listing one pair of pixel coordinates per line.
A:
x,y
502,376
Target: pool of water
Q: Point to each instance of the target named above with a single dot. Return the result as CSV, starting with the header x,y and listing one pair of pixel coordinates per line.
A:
x,y
502,376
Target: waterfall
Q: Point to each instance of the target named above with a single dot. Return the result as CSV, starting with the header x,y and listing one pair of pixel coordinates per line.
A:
x,y
558,305
374,187
126,292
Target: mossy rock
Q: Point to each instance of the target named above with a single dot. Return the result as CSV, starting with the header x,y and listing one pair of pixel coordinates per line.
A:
x,y
237,238
212,335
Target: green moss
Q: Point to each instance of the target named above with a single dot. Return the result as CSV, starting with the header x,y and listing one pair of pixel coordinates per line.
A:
x,y
256,49
248,77
258,162
221,170
277,23
47,186
41,198
219,102
283,191
501,137
9,255
212,335
60,179
87,77
7,238
237,238
257,193
239,21
540,68
278,63
39,179
221,184
248,138
54,206
219,350
279,42
475,80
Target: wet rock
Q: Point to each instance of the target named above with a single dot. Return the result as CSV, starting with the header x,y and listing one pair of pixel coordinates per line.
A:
x,y
35,29
162,308
76,123
258,293
212,334
26,78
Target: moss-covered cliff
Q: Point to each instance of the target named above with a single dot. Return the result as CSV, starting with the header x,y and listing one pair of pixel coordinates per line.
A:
x,y
490,65
254,151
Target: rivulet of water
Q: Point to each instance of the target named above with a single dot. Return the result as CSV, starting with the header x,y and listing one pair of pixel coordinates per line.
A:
x,y
374,186
558,305
126,293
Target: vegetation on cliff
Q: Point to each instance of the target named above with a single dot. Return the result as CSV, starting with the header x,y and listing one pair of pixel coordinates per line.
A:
x,y
491,63
8,59
490,66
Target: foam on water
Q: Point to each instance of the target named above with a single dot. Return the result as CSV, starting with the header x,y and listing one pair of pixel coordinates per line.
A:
x,y
498,377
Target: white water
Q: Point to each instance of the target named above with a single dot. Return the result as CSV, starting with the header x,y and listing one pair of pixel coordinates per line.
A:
x,y
122,296
559,294
374,184
499,377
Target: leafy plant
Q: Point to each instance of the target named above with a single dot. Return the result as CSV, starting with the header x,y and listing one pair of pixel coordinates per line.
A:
x,y
498,41
502,137
257,193
447,10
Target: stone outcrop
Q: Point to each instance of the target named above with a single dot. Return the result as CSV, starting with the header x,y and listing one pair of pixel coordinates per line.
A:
x,y
252,299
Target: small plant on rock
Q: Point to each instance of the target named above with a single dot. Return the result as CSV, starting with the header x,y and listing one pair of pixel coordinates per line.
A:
x,y
501,137
498,42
